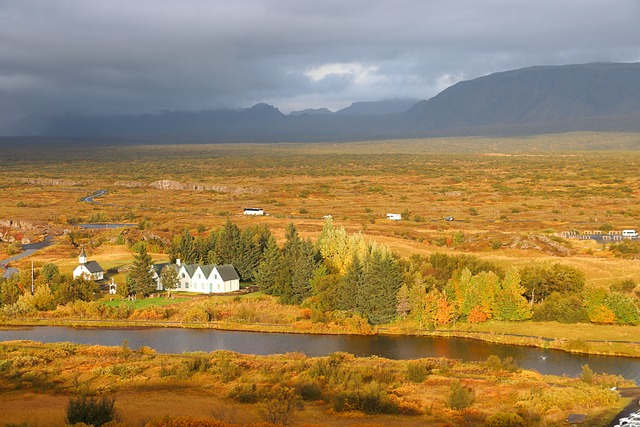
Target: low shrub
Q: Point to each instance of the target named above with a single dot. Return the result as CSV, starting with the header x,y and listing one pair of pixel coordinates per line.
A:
x,y
91,410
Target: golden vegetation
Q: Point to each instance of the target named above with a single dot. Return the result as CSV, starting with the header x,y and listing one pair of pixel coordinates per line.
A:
x,y
337,390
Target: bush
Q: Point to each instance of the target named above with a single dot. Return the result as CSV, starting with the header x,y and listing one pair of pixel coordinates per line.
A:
x,y
504,419
460,397
417,372
91,410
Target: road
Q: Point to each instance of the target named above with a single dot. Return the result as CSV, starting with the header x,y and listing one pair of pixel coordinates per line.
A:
x,y
634,394
29,249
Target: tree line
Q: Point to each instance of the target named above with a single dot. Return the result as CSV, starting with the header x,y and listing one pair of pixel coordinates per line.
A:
x,y
347,275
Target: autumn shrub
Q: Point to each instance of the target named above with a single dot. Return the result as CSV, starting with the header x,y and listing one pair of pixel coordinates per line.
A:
x,y
504,419
459,397
417,372
90,410
309,390
494,363
245,393
279,404
196,314
197,363
371,399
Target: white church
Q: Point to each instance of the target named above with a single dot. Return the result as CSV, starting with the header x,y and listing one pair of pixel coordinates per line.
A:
x,y
90,270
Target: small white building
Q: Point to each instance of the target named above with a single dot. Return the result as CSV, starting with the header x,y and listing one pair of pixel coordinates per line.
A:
x,y
394,216
202,279
90,270
254,211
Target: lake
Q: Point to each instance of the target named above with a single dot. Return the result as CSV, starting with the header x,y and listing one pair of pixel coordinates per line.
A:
x,y
170,340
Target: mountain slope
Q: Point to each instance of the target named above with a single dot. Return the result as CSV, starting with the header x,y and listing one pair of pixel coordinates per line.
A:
x,y
534,96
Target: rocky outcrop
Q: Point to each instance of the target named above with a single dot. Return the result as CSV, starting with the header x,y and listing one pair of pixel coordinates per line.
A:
x,y
167,184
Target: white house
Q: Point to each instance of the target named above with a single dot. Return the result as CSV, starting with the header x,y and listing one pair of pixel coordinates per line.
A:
x,y
394,216
253,211
202,279
90,270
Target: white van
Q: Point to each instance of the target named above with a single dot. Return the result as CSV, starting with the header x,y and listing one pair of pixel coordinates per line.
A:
x,y
629,234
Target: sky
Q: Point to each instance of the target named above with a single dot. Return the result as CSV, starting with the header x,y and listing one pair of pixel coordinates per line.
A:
x,y
99,57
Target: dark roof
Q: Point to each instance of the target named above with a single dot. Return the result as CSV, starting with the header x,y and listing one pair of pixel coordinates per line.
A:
x,y
93,267
190,268
227,272
207,269
158,267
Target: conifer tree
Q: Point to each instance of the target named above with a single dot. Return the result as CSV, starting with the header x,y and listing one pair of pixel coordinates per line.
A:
x,y
376,298
140,279
227,249
269,275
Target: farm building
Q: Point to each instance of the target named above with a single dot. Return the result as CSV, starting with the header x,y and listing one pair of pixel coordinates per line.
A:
x,y
394,216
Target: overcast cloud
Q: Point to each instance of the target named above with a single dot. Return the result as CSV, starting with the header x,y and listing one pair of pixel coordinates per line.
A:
x,y
144,56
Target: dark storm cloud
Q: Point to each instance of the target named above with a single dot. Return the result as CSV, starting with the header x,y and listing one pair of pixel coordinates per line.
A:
x,y
122,56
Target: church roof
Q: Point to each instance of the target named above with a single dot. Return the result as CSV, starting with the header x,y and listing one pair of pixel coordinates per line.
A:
x,y
93,267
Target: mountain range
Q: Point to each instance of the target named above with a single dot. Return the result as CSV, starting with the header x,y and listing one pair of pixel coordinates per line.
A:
x,y
534,100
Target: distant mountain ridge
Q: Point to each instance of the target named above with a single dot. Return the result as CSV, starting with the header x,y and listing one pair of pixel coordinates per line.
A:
x,y
534,100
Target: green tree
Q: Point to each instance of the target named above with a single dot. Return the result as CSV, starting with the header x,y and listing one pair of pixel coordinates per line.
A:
x,y
169,278
10,291
376,298
50,272
75,289
353,280
140,279
228,247
510,304
541,280
269,275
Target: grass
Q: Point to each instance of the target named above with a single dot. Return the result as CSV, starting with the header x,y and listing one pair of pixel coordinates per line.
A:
x,y
143,303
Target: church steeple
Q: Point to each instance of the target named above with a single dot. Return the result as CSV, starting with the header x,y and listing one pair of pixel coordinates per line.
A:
x,y
83,256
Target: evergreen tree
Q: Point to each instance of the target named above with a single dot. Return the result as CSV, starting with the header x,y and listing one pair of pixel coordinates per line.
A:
x,y
227,250
182,248
140,279
249,256
269,275
302,268
353,279
376,298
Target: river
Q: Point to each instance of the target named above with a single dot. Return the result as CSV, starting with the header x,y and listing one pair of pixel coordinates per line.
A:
x,y
168,340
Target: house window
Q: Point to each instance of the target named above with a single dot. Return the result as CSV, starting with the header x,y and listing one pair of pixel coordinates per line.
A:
x,y
215,276
183,275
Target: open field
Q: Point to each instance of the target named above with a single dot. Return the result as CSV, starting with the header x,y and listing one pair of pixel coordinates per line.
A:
x,y
507,196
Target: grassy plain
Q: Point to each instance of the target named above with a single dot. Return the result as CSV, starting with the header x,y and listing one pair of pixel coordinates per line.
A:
x,y
232,387
504,193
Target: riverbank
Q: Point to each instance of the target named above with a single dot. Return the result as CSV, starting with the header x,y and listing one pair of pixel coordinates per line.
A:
x,y
578,344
